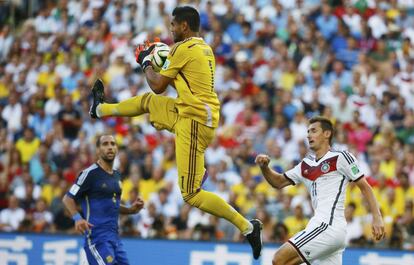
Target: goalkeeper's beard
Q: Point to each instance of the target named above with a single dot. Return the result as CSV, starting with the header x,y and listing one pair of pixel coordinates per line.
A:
x,y
178,38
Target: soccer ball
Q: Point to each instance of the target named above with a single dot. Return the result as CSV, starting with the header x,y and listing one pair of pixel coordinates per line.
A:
x,y
160,54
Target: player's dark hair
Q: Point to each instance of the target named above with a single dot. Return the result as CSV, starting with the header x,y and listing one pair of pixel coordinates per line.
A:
x,y
188,14
98,139
326,125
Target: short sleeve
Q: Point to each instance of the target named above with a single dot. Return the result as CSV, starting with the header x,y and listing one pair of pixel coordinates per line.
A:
x,y
294,174
176,60
348,166
81,186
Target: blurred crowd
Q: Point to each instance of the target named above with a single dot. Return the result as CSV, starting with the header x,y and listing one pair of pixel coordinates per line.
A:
x,y
279,62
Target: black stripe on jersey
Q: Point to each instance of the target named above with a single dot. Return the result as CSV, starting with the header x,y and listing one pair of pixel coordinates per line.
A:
x,y
325,226
190,158
186,81
310,234
189,196
194,44
194,160
300,253
195,154
358,178
301,234
346,157
336,200
314,188
350,156
174,48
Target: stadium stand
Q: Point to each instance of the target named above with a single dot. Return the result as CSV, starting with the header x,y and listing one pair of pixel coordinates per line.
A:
x,y
278,63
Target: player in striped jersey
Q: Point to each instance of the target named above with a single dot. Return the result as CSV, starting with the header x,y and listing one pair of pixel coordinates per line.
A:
x,y
326,176
98,191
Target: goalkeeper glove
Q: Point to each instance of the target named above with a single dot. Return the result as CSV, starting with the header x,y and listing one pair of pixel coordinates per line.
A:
x,y
143,53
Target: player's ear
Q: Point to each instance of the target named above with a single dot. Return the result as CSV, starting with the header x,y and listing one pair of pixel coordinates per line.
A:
x,y
184,26
327,133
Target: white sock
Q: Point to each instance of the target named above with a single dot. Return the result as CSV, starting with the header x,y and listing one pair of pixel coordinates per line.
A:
x,y
97,111
249,230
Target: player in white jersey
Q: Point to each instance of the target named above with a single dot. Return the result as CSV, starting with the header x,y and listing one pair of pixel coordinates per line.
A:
x,y
326,176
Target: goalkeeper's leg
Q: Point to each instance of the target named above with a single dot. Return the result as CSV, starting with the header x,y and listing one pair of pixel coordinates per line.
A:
x,y
163,113
192,138
128,108
131,107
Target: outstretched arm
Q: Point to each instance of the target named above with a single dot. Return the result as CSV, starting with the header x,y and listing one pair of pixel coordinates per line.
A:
x,y
275,179
378,230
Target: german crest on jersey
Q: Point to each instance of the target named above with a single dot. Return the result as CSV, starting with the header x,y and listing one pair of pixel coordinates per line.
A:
x,y
325,167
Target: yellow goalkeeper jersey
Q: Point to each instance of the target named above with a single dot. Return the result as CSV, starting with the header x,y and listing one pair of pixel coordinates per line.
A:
x,y
192,65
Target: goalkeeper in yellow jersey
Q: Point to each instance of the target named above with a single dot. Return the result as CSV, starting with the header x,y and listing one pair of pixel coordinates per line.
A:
x,y
193,116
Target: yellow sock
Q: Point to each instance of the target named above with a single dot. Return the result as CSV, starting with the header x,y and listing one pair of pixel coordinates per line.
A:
x,y
213,204
131,107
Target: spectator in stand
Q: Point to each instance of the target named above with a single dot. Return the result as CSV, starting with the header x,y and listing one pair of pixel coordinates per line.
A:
x,y
12,114
52,189
28,145
354,226
326,22
339,73
12,216
69,117
388,164
65,158
297,222
42,218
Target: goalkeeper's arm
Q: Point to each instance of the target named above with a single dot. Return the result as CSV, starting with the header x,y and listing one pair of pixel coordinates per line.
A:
x,y
157,82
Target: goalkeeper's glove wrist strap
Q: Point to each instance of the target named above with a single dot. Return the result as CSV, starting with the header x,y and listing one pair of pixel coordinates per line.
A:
x,y
145,64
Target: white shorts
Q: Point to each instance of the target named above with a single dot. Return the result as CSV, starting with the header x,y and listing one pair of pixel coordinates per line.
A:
x,y
320,243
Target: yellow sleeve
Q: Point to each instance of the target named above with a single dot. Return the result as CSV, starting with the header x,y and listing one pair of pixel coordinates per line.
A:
x,y
176,60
